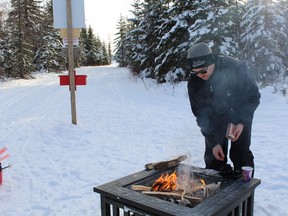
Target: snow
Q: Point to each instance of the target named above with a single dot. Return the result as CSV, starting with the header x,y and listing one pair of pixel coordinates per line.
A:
x,y
122,124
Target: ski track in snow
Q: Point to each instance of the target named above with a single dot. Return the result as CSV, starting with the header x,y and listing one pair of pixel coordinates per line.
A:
x,y
123,123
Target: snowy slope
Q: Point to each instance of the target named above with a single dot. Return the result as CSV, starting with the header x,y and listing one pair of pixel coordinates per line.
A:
x,y
123,123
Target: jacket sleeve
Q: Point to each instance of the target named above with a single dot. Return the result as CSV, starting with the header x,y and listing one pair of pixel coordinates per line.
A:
x,y
203,112
249,96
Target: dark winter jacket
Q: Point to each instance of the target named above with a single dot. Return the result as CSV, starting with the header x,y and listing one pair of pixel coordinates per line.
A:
x,y
230,95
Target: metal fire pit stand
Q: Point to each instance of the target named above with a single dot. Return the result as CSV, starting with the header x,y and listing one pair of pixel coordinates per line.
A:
x,y
117,199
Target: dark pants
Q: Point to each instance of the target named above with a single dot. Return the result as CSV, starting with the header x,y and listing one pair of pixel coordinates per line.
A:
x,y
240,153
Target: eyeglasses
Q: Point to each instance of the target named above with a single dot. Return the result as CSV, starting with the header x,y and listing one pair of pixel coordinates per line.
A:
x,y
203,71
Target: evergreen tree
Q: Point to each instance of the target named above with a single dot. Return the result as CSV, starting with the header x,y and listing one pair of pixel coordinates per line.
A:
x,y
2,39
48,56
151,25
23,29
91,48
282,7
109,53
120,55
3,14
93,51
83,47
99,51
134,38
264,39
105,55
166,28
215,26
171,61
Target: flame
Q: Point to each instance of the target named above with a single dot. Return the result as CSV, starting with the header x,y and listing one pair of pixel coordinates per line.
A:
x,y
171,182
165,182
202,181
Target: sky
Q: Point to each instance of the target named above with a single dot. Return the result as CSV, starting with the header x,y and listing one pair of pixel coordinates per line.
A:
x,y
123,123
104,15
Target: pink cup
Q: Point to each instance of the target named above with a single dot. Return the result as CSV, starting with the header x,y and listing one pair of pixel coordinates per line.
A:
x,y
247,173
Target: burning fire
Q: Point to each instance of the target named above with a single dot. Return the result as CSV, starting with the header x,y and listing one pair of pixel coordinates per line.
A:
x,y
170,182
202,181
165,182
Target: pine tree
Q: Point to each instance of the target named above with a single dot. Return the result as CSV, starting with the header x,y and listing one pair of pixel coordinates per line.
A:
x,y
98,51
106,59
215,26
167,27
93,48
264,39
151,24
3,35
171,61
120,55
93,51
48,56
134,38
23,30
90,47
282,6
83,47
109,53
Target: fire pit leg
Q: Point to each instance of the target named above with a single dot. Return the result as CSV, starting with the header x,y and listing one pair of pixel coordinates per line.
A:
x,y
105,207
250,205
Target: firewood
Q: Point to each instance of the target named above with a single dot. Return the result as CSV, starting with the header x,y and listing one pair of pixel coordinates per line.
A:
x,y
140,188
165,164
210,189
194,189
193,200
160,194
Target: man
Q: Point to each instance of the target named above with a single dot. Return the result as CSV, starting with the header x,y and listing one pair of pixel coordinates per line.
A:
x,y
222,92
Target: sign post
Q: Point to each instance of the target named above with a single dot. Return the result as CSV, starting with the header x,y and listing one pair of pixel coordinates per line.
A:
x,y
69,18
71,62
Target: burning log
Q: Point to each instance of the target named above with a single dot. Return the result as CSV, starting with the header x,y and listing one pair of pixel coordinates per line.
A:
x,y
165,164
166,183
181,189
147,188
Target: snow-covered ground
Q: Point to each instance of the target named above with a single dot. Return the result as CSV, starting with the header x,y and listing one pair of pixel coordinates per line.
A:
x,y
123,123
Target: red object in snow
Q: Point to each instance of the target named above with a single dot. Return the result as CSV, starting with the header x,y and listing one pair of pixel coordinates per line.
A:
x,y
0,174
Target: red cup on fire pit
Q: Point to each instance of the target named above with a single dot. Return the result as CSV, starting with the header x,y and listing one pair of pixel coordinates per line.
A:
x,y
247,173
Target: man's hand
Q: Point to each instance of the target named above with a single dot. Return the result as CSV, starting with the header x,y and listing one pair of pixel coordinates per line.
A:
x,y
218,153
238,130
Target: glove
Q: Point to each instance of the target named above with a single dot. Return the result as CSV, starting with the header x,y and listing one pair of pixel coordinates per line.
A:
x,y
229,173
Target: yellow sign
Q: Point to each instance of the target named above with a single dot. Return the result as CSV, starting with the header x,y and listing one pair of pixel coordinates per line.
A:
x,y
75,33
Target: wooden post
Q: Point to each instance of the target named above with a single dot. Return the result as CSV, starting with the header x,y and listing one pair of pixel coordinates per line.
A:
x,y
72,85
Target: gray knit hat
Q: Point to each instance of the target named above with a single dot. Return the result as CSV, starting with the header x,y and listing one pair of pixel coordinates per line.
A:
x,y
199,56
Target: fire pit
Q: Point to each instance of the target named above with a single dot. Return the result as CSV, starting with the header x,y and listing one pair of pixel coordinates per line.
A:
x,y
229,197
